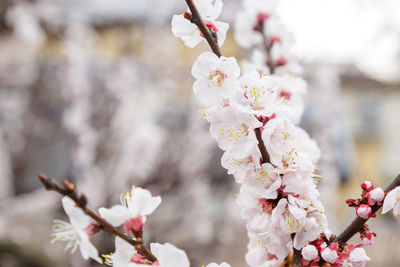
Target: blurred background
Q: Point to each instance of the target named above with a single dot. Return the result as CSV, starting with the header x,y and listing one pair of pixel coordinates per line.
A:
x,y
99,91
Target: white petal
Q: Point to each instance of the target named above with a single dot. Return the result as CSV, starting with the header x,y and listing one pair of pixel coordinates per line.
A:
x,y
123,253
77,217
143,202
89,251
221,33
116,215
193,39
169,255
390,200
181,26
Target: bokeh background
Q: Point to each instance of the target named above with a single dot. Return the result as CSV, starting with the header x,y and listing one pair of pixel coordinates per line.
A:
x,y
99,91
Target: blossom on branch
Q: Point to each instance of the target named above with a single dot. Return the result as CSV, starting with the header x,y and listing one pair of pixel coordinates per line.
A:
x,y
209,10
135,206
126,256
217,78
77,232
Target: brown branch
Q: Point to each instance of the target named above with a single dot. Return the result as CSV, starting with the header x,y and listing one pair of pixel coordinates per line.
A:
x,y
358,222
211,37
261,146
69,190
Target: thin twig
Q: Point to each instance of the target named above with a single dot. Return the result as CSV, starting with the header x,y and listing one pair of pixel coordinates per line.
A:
x,y
69,190
358,222
196,19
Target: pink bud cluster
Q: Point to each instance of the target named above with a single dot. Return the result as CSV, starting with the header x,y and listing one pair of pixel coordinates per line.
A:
x,y
370,197
325,252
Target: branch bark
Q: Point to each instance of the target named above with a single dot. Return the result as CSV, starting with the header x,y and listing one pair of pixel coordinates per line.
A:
x,y
81,201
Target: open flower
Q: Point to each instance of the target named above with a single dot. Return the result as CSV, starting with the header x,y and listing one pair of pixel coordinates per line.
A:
x,y
259,92
136,205
392,201
233,128
217,78
167,255
77,232
189,33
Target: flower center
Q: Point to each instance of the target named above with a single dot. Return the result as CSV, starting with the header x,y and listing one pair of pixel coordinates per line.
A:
x,y
216,78
291,222
234,134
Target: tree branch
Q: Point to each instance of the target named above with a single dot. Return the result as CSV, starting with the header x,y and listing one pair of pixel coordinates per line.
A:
x,y
81,201
358,222
196,19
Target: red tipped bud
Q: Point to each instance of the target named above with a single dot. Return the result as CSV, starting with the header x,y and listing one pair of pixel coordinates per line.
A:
x,y
69,186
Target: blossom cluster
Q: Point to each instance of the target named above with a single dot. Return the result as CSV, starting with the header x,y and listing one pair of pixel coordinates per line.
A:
x,y
253,114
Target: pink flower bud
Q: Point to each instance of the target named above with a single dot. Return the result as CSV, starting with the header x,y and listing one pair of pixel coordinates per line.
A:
x,y
367,185
369,239
329,255
377,194
350,202
364,211
309,252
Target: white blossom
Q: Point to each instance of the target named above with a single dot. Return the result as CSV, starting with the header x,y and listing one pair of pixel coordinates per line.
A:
x,y
217,78
209,11
135,206
77,232
167,255
233,128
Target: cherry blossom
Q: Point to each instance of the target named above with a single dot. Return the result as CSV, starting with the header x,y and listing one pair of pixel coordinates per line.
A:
x,y
232,126
135,206
190,34
167,255
77,232
217,78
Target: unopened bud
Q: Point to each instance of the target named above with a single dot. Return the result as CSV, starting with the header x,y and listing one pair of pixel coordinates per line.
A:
x,y
68,185
187,16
